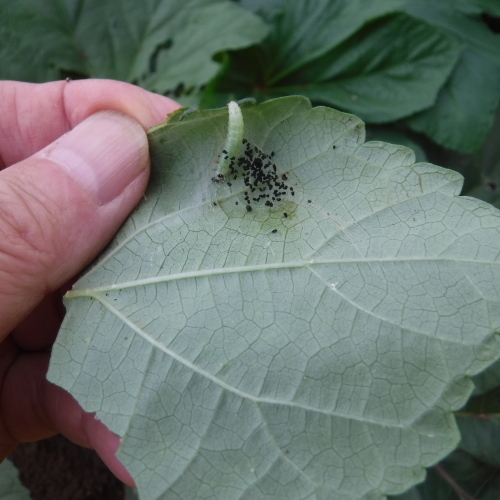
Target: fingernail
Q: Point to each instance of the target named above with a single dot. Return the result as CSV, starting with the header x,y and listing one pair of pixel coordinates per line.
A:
x,y
104,153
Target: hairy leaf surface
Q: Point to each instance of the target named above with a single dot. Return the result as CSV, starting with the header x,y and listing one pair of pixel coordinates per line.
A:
x,y
309,350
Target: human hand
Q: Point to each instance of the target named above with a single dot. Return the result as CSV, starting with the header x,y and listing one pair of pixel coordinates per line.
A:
x,y
68,180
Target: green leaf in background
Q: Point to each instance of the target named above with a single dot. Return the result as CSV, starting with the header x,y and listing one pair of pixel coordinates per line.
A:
x,y
162,45
381,68
216,26
449,121
448,17
487,380
491,7
374,77
10,485
481,439
459,477
470,473
13,54
389,134
487,169
314,348
465,109
290,45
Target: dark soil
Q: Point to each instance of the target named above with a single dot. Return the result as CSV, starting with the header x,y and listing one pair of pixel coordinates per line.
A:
x,y
56,469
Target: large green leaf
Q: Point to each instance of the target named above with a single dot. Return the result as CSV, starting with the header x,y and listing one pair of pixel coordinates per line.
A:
x,y
465,109
13,53
10,485
481,439
449,17
290,45
380,70
161,45
376,78
312,349
381,67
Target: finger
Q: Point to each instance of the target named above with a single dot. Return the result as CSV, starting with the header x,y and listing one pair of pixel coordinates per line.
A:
x,y
42,409
35,115
62,205
38,330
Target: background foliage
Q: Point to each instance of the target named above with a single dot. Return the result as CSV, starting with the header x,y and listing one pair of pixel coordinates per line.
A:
x,y
421,73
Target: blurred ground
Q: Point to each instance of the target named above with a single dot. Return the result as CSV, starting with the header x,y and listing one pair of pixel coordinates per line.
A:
x,y
56,469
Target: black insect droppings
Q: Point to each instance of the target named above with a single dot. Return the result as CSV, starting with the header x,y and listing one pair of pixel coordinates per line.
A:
x,y
259,174
334,147
285,215
309,201
274,231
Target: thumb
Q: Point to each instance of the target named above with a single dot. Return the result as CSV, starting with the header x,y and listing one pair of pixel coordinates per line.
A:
x,y
61,206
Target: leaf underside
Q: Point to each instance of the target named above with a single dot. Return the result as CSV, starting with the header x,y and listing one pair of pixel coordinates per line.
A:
x,y
313,355
11,487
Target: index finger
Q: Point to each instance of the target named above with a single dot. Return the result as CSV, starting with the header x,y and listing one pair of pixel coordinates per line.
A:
x,y
35,115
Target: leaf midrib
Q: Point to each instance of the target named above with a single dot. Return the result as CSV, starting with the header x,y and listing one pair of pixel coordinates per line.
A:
x,y
93,291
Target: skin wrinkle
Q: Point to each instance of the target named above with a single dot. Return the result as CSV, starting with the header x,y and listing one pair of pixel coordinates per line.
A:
x,y
22,249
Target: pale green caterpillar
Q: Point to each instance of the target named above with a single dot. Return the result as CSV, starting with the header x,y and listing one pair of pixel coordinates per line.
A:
x,y
234,138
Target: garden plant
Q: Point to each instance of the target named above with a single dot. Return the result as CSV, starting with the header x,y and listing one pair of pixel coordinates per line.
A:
x,y
302,306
